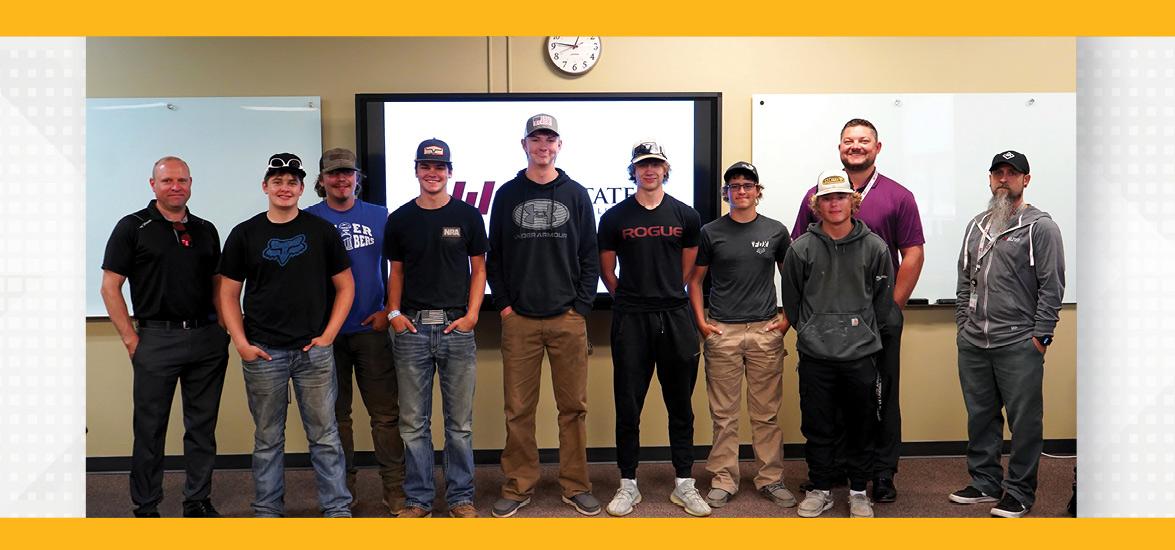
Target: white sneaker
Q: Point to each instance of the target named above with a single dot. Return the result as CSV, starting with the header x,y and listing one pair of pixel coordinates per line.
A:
x,y
859,506
687,496
815,503
626,497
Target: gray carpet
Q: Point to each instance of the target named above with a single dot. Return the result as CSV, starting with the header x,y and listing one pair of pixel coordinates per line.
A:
x,y
923,485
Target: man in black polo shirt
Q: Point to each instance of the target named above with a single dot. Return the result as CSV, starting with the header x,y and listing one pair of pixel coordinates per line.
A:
x,y
170,257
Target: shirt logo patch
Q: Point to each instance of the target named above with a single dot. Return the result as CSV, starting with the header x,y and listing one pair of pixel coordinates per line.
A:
x,y
451,232
355,235
536,214
760,246
281,250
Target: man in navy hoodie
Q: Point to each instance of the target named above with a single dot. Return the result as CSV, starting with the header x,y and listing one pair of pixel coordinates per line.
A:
x,y
542,268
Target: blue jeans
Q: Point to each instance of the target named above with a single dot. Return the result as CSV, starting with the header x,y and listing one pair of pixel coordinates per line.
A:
x,y
417,357
266,385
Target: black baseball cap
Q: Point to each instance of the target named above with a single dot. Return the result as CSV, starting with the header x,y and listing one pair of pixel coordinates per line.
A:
x,y
1011,158
434,150
285,162
741,167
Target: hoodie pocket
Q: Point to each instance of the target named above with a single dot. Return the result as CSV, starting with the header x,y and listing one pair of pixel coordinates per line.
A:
x,y
836,336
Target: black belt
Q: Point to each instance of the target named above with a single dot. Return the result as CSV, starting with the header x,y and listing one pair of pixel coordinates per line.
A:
x,y
175,325
434,316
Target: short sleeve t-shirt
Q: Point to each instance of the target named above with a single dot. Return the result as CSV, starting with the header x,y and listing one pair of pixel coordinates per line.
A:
x,y
741,258
648,246
287,269
435,246
361,229
170,271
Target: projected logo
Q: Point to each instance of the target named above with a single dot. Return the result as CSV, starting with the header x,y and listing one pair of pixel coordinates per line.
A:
x,y
487,193
281,250
538,214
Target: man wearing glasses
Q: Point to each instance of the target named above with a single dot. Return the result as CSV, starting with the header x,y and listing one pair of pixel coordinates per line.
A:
x,y
169,255
362,345
743,336
890,212
299,293
655,238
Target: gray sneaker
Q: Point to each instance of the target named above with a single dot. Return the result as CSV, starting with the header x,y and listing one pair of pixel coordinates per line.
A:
x,y
584,503
778,493
815,503
505,507
626,497
860,506
686,495
717,498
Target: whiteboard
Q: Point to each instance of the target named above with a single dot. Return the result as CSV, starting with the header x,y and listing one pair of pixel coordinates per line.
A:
x,y
226,142
939,146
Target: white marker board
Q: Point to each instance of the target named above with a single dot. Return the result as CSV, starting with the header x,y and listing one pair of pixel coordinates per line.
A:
x,y
937,145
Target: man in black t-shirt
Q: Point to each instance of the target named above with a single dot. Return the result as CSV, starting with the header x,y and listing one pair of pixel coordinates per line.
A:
x,y
437,247
169,255
299,293
655,238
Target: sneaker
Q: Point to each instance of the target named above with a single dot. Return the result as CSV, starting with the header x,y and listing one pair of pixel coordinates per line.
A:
x,y
200,509
778,493
626,497
1009,507
414,512
717,498
463,511
505,507
815,503
687,496
884,490
970,495
584,503
859,506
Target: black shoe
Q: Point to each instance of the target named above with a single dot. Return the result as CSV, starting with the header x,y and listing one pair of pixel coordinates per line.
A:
x,y
200,509
147,513
884,490
971,495
1009,507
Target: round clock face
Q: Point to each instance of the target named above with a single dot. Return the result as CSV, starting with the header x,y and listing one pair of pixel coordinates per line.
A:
x,y
573,54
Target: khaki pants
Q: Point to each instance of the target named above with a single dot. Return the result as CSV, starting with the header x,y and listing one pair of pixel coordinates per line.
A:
x,y
524,339
744,349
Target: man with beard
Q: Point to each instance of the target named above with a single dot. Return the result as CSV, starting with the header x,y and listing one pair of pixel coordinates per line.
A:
x,y
890,212
1011,280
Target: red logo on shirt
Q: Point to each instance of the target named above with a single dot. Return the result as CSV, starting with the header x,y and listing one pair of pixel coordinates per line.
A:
x,y
651,231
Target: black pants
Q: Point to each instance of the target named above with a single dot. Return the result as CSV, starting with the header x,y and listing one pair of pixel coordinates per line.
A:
x,y
838,399
888,436
668,340
366,356
197,359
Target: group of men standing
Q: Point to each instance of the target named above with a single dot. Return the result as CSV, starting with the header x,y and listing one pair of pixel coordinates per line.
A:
x,y
342,290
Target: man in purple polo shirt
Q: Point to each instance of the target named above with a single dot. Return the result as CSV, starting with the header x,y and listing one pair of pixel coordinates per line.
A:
x,y
889,210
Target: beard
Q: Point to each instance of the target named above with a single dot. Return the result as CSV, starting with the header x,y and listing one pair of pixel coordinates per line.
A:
x,y
1002,207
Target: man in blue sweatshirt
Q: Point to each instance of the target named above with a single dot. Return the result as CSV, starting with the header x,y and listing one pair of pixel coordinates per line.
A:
x,y
542,268
1010,285
837,291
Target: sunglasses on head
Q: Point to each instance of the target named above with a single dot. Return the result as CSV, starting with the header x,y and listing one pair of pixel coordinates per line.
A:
x,y
278,162
181,234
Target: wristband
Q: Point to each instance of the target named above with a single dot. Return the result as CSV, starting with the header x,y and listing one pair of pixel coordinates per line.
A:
x,y
393,314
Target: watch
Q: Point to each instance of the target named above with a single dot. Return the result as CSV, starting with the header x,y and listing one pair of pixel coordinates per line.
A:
x,y
393,314
1045,341
573,55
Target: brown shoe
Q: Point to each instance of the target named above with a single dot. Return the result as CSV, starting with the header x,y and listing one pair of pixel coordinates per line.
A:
x,y
394,505
463,511
414,512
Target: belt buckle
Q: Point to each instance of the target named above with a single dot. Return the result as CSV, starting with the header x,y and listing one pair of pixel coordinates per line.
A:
x,y
186,324
432,316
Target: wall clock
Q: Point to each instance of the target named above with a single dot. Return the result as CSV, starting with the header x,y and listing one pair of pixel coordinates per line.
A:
x,y
573,55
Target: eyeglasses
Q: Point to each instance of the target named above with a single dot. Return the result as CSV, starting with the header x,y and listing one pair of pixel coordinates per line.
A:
x,y
278,162
181,234
748,187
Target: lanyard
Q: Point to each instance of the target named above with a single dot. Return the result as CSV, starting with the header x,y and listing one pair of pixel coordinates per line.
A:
x,y
869,186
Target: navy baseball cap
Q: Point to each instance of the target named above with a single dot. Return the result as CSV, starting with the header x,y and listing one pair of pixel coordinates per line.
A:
x,y
434,150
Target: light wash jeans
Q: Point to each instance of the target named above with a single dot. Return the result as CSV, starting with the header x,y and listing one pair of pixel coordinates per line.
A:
x,y
417,357
266,384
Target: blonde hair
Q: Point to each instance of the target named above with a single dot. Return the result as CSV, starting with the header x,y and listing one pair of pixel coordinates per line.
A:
x,y
815,210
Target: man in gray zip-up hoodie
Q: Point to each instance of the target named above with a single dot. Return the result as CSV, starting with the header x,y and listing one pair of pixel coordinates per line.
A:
x,y
1011,280
837,290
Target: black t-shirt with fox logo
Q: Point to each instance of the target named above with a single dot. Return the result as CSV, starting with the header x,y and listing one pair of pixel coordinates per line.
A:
x,y
435,246
287,270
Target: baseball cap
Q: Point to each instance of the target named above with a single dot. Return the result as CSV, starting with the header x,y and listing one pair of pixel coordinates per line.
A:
x,y
647,150
337,159
285,162
433,150
741,167
541,121
1011,158
833,181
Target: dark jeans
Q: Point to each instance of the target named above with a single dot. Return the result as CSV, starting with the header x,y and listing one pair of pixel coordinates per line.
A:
x,y
668,341
367,356
1010,378
888,435
197,359
844,390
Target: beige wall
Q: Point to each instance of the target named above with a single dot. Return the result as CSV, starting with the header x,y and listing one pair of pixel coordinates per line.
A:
x,y
336,69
